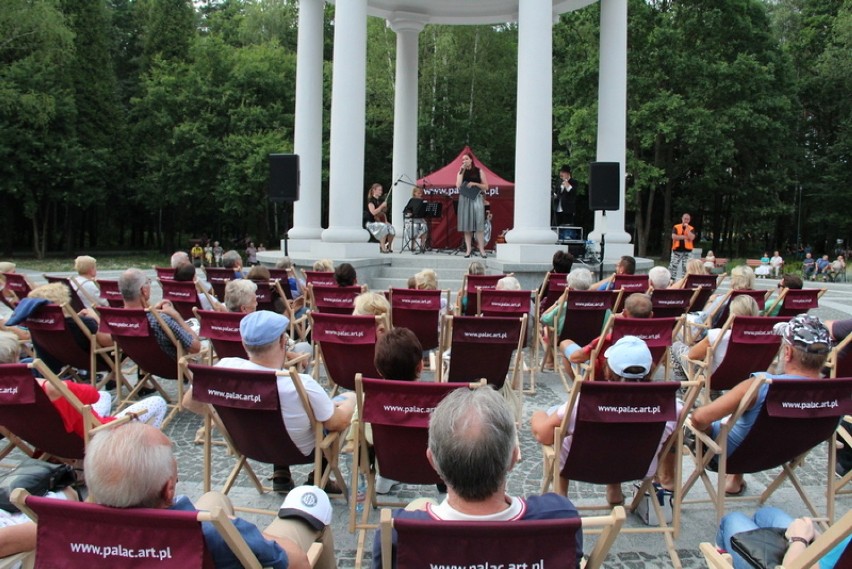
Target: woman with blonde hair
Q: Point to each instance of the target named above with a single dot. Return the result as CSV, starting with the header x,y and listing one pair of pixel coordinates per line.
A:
x,y
377,219
693,267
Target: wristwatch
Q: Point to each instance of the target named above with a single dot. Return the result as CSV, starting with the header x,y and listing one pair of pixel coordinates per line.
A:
x,y
796,538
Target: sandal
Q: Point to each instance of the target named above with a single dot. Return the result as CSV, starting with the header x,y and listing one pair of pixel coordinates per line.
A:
x,y
738,492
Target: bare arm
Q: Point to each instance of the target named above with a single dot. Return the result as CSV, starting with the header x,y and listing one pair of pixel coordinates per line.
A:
x,y
343,411
483,185
167,308
800,528
543,426
699,350
704,416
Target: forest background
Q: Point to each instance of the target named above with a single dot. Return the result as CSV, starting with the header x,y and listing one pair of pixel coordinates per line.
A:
x,y
140,124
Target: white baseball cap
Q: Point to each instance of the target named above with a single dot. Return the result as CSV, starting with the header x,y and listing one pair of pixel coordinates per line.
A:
x,y
308,503
627,352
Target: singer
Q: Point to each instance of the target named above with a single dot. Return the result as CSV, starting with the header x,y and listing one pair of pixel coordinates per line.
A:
x,y
377,219
472,183
683,236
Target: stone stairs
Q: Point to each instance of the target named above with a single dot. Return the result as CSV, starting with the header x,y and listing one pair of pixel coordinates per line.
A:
x,y
450,269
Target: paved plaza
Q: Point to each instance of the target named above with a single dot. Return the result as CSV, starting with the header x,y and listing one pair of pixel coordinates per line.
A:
x,y
632,551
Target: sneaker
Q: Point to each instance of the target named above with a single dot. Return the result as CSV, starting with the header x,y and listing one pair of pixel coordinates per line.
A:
x,y
384,485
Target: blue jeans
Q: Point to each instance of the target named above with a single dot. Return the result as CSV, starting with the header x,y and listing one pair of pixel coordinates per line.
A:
x,y
736,522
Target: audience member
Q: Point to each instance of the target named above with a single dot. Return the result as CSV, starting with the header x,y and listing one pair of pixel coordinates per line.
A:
x,y
323,266
241,296
135,289
660,277
693,267
178,258
788,281
473,446
345,275
84,282
232,260
804,348
799,533
218,251
626,265
637,305
777,264
427,279
823,266
578,279
474,268
629,359
808,266
186,273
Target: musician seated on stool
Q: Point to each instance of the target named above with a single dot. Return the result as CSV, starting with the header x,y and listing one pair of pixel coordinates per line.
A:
x,y
415,212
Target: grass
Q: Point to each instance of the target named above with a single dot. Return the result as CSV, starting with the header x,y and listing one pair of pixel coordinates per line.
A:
x,y
142,260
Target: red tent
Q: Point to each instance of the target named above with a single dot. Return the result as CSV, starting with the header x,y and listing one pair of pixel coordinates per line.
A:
x,y
440,186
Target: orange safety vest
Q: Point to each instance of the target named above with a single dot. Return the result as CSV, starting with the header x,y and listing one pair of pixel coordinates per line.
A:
x,y
687,244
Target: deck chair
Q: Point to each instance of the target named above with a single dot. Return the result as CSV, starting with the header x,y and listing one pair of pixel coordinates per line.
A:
x,y
398,412
673,302
52,334
753,346
552,287
512,304
319,278
218,278
810,557
529,543
420,312
616,438
720,315
470,284
110,292
184,296
19,284
334,299
247,403
223,331
76,301
268,291
797,416
346,346
796,301
840,365
628,284
584,312
656,332
32,423
706,284
164,273
170,538
132,333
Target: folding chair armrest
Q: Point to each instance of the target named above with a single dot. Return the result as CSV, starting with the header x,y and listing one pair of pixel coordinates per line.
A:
x,y
314,552
19,498
715,559
329,439
704,437
113,424
23,559
297,360
612,526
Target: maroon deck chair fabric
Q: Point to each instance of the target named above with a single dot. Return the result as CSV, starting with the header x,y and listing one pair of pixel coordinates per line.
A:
x,y
629,284
218,278
320,278
18,284
110,292
419,311
248,404
51,333
28,413
751,348
183,295
79,534
223,331
165,273
556,285
843,365
796,416
759,297
399,413
482,346
76,302
657,333
671,302
514,303
706,285
799,302
618,430
584,315
348,346
266,295
477,281
426,543
335,299
130,330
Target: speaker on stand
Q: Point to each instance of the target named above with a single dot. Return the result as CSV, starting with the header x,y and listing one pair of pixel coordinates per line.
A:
x,y
604,190
284,183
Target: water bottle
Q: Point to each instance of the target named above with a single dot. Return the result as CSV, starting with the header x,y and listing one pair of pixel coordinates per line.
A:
x,y
361,494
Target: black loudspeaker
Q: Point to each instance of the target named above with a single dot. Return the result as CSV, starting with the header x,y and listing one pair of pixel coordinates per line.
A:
x,y
284,177
604,178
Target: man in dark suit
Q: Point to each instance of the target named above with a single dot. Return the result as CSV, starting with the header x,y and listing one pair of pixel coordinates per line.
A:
x,y
565,197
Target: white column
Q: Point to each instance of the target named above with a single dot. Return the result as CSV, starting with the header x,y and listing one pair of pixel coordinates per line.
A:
x,y
531,238
307,211
407,28
348,95
612,119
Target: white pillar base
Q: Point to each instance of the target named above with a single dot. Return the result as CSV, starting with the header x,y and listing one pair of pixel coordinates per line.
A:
x,y
343,234
531,235
526,253
299,245
327,250
615,250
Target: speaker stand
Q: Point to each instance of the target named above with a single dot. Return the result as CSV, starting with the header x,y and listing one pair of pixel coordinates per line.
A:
x,y
603,250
